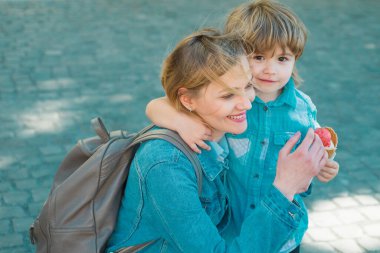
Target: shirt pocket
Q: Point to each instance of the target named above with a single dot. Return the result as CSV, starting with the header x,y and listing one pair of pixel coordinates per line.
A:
x,y
279,140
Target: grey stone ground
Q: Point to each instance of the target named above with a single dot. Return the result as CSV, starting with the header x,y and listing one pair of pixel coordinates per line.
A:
x,y
63,62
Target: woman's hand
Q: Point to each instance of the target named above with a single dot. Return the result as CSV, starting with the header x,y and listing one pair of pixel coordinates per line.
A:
x,y
296,170
329,171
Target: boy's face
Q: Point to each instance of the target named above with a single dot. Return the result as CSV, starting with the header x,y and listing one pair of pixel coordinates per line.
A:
x,y
271,70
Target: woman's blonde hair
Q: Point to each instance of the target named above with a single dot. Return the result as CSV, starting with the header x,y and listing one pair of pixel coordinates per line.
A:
x,y
265,24
197,60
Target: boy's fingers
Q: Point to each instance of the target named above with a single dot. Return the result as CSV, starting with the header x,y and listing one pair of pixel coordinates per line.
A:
x,y
195,148
324,159
206,137
203,145
290,144
332,164
322,178
329,171
208,131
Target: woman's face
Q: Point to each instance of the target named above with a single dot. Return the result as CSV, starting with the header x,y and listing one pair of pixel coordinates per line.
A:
x,y
225,111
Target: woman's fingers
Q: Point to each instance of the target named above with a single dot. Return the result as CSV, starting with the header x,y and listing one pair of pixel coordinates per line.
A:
x,y
289,145
307,141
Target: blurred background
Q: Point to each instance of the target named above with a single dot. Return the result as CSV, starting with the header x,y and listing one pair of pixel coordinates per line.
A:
x,y
64,62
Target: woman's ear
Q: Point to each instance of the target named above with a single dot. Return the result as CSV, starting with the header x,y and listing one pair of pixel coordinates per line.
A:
x,y
185,98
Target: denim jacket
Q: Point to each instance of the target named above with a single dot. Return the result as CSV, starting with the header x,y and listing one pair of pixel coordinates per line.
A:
x,y
161,203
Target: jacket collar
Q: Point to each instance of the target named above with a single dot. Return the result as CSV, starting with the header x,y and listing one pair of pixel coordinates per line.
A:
x,y
288,96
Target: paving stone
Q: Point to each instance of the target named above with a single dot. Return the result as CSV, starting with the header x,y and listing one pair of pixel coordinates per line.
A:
x,y
324,219
372,230
19,174
26,184
11,240
366,200
39,195
317,248
372,212
346,201
22,224
348,231
11,212
350,216
5,227
348,246
16,197
370,244
322,205
322,234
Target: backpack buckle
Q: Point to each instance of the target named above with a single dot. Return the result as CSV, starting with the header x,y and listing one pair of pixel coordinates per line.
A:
x,y
31,234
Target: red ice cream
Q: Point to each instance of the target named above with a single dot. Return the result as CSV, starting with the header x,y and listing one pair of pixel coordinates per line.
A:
x,y
329,139
325,136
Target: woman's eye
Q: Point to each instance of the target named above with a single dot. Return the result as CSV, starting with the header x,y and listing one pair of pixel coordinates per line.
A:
x,y
249,86
227,96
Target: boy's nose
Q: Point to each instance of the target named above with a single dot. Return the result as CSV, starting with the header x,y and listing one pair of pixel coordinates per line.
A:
x,y
269,68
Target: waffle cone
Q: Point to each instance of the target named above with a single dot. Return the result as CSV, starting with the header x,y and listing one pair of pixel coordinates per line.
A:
x,y
334,139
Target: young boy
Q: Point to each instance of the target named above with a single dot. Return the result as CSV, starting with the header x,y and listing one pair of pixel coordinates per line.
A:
x,y
275,39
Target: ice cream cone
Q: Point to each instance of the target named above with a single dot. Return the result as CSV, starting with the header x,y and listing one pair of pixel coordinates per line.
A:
x,y
334,143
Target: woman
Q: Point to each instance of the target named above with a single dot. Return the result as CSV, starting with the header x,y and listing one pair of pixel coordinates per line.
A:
x,y
209,76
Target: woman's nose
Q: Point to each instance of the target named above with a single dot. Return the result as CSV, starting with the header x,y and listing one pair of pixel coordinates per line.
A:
x,y
245,103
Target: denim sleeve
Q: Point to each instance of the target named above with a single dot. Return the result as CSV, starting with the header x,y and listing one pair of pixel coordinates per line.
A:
x,y
172,191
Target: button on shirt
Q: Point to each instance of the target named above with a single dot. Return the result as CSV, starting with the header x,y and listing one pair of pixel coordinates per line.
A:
x,y
254,154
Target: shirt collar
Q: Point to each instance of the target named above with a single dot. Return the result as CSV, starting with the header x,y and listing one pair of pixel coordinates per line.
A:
x,y
287,96
214,161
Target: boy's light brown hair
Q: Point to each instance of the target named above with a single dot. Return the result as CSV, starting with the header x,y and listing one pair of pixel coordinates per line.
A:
x,y
265,24
197,60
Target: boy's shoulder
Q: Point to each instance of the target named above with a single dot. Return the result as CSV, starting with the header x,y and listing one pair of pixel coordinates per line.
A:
x,y
304,100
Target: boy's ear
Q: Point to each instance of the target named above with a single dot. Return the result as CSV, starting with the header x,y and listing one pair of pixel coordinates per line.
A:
x,y
185,98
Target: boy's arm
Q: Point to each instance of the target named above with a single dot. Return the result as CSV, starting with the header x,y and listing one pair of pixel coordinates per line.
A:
x,y
191,129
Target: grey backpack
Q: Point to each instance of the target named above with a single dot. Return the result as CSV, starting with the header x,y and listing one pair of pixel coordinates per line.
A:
x,y
81,210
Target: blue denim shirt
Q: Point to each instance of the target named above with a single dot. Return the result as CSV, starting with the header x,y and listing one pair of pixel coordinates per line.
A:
x,y
270,125
161,202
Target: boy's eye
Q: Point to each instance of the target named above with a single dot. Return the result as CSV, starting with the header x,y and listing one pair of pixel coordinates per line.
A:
x,y
258,57
282,58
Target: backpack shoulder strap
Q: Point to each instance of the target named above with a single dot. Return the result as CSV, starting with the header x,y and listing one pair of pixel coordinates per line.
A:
x,y
176,140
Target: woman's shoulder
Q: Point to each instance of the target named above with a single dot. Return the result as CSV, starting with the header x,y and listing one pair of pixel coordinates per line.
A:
x,y
160,153
158,150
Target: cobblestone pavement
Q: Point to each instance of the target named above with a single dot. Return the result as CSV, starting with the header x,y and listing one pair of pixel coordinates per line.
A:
x,y
64,62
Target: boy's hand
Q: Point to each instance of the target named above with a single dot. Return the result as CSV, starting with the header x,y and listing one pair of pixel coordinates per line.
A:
x,y
329,171
194,132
